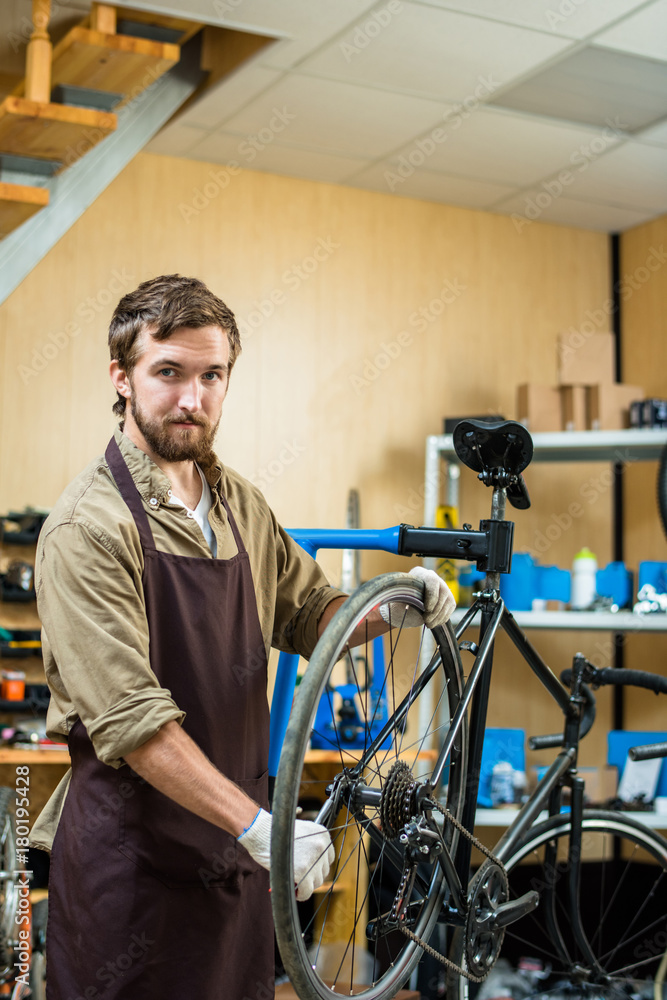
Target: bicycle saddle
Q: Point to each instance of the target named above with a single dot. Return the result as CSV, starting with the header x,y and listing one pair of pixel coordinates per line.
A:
x,y
498,452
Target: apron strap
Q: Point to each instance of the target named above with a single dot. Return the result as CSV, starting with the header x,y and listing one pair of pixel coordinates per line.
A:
x,y
129,493
232,523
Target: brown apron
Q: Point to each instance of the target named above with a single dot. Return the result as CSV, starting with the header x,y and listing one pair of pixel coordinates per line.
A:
x,y
146,900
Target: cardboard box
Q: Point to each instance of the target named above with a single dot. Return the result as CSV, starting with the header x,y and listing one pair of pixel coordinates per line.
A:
x,y
608,406
573,407
601,783
538,407
588,360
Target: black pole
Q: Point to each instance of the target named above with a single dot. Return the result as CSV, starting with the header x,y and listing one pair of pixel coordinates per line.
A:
x,y
617,516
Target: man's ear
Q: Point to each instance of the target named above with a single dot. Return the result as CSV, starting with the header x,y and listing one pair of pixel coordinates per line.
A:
x,y
120,379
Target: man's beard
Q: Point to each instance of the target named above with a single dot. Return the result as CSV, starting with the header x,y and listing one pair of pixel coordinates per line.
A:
x,y
179,446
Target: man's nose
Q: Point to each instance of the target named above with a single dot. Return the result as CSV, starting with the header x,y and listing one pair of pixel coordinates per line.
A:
x,y
190,395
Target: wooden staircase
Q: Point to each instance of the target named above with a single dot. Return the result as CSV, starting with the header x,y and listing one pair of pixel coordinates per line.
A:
x,y
67,102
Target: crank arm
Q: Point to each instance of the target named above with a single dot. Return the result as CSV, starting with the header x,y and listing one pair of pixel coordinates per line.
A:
x,y
506,913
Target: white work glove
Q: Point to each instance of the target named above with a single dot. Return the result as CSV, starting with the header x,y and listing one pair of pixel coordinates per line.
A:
x,y
313,851
439,603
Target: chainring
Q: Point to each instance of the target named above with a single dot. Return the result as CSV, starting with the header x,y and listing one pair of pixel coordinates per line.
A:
x,y
488,889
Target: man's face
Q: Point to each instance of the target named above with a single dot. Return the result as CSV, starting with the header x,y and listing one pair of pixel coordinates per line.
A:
x,y
176,392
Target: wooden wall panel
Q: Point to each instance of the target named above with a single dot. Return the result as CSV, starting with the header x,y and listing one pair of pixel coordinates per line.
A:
x,y
644,314
317,403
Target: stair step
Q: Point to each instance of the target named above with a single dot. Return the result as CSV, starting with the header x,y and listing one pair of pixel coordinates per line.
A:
x,y
18,202
85,97
51,131
120,64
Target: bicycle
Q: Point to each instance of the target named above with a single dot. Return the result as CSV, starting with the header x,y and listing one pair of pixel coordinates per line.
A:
x,y
400,799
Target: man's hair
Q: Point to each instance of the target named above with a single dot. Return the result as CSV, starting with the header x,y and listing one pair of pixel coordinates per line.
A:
x,y
162,306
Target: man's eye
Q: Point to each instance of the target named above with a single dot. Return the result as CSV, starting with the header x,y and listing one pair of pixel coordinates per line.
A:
x,y
164,371
213,376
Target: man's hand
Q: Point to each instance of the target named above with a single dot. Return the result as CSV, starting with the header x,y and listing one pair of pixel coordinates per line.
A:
x,y
439,603
313,851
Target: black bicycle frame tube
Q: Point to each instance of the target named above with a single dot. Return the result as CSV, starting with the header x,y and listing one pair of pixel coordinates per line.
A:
x,y
550,908
489,630
479,681
536,663
535,804
467,618
574,872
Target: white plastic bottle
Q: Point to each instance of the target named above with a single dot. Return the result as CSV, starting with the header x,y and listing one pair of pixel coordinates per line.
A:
x,y
584,569
502,784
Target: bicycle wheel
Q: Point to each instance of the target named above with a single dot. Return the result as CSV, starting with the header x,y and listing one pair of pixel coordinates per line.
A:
x,y
623,906
342,942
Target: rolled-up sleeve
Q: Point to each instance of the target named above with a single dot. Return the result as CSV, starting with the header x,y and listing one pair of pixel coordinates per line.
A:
x,y
302,595
91,605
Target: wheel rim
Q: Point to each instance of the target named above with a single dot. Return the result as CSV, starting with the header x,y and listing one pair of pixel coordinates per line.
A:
x,y
624,913
335,945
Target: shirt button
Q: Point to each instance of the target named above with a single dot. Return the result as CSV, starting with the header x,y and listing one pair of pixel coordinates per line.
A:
x,y
190,514
169,493
153,502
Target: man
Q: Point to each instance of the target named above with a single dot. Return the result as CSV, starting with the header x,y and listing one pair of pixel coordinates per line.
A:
x,y
162,579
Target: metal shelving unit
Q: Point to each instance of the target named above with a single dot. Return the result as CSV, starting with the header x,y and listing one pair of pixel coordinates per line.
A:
x,y
558,446
586,621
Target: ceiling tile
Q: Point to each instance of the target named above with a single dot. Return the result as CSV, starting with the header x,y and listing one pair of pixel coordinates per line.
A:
x,y
228,96
633,175
329,116
277,159
430,186
596,86
643,33
571,18
175,139
507,149
525,210
432,52
303,25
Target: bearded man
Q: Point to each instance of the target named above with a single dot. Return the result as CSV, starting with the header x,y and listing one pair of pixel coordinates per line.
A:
x,y
163,578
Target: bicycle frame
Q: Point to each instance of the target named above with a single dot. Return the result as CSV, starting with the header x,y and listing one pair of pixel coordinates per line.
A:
x,y
495,537
490,547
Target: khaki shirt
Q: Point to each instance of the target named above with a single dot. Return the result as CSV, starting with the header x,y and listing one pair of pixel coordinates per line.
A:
x,y
90,599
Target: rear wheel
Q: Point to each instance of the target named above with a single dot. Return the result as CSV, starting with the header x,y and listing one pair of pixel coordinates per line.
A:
x,y
623,906
364,710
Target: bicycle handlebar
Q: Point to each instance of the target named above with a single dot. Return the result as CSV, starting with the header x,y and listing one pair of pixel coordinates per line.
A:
x,y
587,719
648,751
635,678
599,678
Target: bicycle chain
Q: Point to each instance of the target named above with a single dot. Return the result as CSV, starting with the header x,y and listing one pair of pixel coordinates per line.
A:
x,y
447,962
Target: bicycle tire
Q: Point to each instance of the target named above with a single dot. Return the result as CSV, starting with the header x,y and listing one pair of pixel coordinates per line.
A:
x,y
378,972
622,905
661,489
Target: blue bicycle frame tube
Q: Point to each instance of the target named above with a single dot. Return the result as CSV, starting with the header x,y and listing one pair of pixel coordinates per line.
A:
x,y
384,540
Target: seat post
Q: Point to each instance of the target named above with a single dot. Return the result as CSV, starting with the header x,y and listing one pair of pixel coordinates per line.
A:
x,y
498,505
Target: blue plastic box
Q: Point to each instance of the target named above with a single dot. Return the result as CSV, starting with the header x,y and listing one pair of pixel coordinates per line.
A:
x,y
500,744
